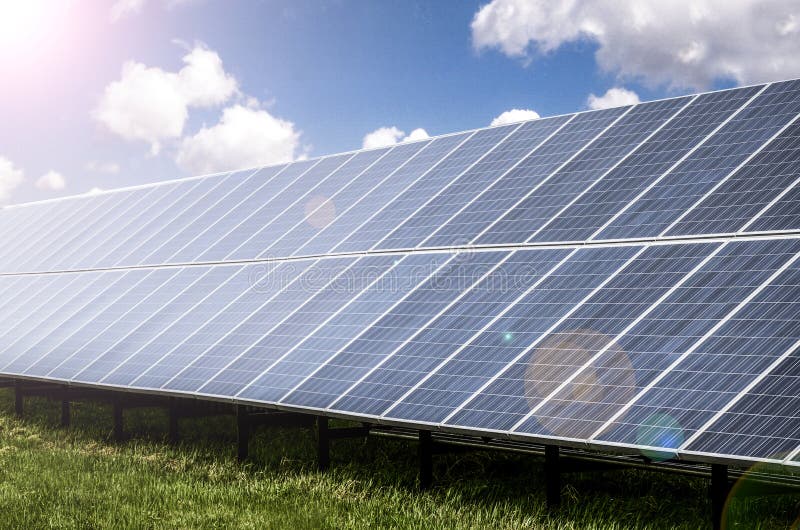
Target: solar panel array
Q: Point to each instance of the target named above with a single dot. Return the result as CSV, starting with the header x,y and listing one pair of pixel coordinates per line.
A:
x,y
621,278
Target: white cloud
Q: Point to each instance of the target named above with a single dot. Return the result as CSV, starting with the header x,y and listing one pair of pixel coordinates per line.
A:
x,y
680,43
123,8
244,137
51,181
515,115
10,177
386,136
614,97
152,105
102,167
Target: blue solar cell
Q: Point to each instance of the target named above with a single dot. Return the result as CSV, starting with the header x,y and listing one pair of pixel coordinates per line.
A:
x,y
218,239
764,423
633,360
321,182
335,219
321,306
94,338
409,364
582,334
277,304
239,186
367,226
419,229
531,213
398,325
434,182
315,349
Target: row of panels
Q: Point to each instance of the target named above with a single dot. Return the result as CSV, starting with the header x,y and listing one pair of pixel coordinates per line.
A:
x,y
692,347
693,165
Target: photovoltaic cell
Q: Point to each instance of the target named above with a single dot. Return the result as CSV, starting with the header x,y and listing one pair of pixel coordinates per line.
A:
x,y
610,174
424,223
633,360
413,360
315,349
505,212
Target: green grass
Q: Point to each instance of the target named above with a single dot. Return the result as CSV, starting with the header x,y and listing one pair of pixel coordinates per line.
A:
x,y
75,478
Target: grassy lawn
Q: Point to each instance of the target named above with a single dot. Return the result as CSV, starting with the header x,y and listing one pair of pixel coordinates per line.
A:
x,y
56,478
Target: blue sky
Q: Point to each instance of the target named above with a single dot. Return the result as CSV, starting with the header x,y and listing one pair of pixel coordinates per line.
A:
x,y
101,94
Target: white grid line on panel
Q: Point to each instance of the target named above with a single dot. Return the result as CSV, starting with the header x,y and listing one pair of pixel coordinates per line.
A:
x,y
694,346
740,395
619,335
509,365
447,186
55,311
275,326
552,174
444,157
209,319
240,324
365,195
21,246
180,212
603,243
224,196
124,293
789,460
114,222
609,170
91,319
318,327
710,192
332,197
132,308
497,179
672,168
169,326
48,251
280,214
508,307
778,197
242,221
152,216
420,329
366,328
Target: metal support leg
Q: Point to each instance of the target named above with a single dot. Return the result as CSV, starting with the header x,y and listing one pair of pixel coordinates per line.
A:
x,y
242,432
425,460
552,476
173,434
719,494
19,401
323,444
65,413
119,432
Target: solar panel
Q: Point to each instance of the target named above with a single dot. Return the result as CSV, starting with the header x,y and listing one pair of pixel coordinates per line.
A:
x,y
624,279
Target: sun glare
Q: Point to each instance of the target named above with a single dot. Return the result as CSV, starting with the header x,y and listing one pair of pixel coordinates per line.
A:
x,y
22,21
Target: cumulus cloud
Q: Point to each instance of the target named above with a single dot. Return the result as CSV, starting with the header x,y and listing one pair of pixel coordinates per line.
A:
x,y
51,181
386,136
102,167
515,115
152,105
614,97
10,177
681,43
245,136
